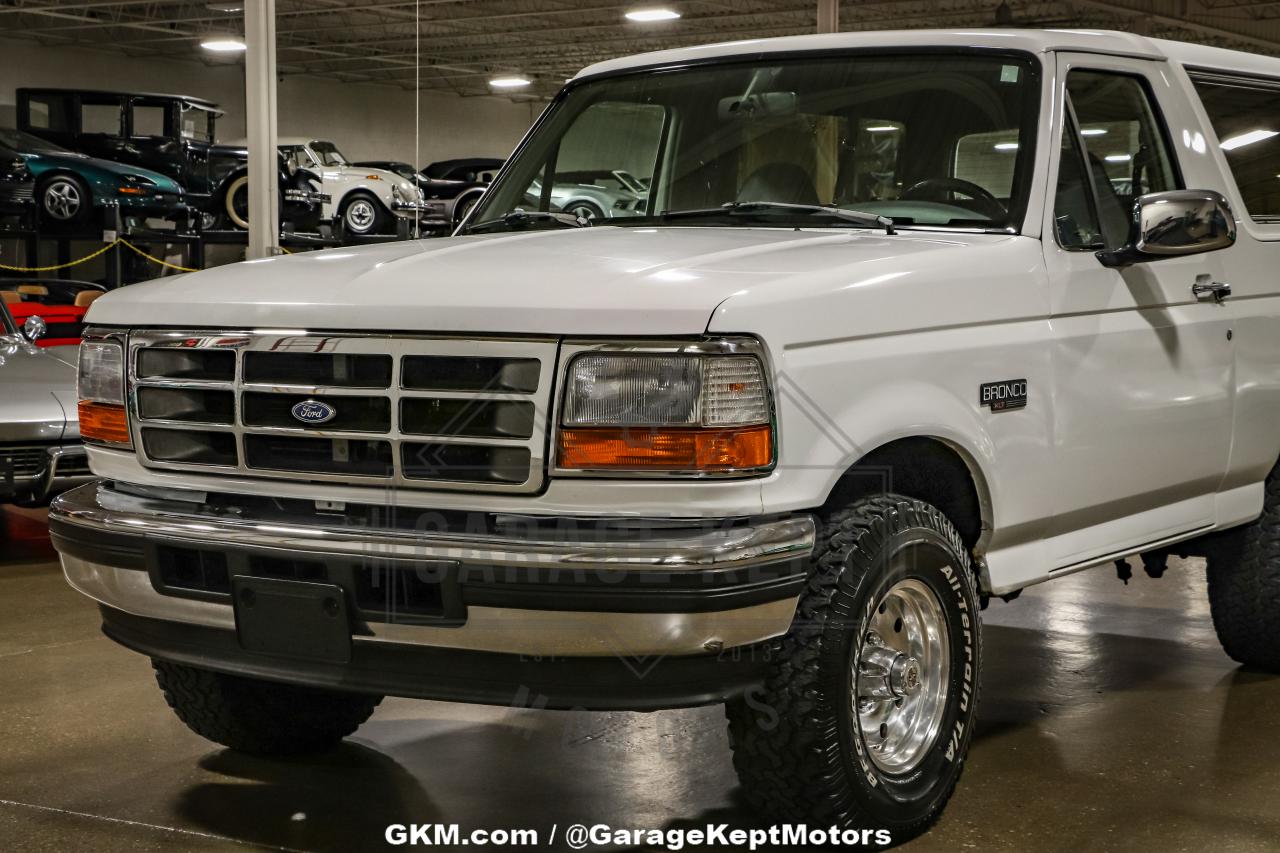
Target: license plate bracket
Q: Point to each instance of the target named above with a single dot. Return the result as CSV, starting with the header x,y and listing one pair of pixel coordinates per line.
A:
x,y
295,619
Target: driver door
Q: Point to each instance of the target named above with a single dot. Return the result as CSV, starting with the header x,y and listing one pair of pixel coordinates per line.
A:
x,y
1142,369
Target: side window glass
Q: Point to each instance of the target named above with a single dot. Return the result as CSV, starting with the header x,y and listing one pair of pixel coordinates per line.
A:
x,y
100,118
1246,118
1125,147
1075,219
148,120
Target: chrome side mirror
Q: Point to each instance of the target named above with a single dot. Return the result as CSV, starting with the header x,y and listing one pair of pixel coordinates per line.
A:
x,y
34,328
1173,224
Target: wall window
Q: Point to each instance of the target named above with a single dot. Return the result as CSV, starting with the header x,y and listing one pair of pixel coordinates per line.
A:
x,y
1246,117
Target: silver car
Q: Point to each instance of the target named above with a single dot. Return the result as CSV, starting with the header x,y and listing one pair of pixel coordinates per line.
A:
x,y
594,195
40,450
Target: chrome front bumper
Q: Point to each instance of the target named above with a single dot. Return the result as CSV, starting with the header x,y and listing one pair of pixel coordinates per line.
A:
x,y
409,209
722,588
65,467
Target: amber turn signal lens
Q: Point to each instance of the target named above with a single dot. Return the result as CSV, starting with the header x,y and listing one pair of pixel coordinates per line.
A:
x,y
658,449
103,422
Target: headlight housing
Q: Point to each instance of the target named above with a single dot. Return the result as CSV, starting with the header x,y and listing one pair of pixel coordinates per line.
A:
x,y
677,412
100,383
135,185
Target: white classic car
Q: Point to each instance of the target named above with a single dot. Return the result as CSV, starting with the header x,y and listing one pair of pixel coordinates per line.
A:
x,y
363,200
910,321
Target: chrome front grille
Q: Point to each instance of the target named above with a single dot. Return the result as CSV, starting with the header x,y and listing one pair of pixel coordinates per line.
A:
x,y
425,413
28,460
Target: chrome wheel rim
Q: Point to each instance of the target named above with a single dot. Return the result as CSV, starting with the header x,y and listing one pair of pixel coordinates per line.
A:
x,y
360,215
583,212
900,677
62,200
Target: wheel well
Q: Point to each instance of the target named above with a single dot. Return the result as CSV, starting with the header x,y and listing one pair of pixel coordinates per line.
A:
x,y
61,173
927,469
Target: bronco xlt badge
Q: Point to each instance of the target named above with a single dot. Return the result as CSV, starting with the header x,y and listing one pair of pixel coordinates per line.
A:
x,y
1004,396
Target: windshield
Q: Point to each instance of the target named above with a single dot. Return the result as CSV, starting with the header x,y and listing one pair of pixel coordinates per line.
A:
x,y
7,326
29,144
328,153
929,140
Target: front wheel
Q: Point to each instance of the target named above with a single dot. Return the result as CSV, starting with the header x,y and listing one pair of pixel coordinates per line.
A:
x,y
1244,586
261,717
362,215
584,210
65,200
866,716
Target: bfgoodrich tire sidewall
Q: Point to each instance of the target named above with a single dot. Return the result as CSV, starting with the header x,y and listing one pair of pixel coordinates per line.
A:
x,y
925,555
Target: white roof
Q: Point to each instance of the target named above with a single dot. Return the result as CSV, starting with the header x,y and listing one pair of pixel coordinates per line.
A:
x,y
1034,41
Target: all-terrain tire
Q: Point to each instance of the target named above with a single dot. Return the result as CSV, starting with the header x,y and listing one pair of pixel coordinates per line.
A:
x,y
261,717
798,744
1244,586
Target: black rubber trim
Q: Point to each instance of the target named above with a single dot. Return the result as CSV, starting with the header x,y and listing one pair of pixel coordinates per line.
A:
x,y
635,591
620,683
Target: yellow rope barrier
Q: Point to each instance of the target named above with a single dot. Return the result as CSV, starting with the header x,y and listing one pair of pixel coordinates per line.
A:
x,y
124,242
101,251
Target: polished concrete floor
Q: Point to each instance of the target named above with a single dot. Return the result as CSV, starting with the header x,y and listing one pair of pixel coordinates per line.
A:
x,y
1111,721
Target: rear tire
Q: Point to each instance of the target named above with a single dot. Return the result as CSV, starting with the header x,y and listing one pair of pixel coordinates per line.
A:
x,y
261,717
890,607
1244,586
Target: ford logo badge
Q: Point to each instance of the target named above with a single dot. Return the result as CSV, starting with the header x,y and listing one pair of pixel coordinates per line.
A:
x,y
314,412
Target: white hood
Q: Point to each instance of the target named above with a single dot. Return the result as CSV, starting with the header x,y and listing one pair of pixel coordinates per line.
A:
x,y
602,280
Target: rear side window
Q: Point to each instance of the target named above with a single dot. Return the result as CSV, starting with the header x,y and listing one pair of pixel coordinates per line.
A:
x,y
1245,115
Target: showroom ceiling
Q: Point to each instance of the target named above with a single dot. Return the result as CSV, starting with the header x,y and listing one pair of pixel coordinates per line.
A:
x,y
465,43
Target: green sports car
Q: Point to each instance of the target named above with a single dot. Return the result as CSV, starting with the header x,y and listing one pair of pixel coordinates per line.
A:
x,y
70,185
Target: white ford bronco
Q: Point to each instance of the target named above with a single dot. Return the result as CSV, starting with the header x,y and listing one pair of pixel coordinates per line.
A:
x,y
908,321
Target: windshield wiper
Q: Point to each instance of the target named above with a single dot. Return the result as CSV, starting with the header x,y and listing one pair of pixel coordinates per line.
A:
x,y
525,217
857,217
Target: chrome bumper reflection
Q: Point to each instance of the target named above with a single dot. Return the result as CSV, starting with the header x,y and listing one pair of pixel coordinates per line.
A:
x,y
98,507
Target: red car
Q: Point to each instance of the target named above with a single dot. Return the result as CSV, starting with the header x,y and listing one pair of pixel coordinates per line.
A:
x,y
60,305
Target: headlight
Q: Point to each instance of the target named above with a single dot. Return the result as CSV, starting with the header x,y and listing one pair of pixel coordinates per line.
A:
x,y
672,412
134,185
101,392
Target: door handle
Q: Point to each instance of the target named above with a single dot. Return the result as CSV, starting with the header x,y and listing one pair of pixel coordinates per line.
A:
x,y
1206,290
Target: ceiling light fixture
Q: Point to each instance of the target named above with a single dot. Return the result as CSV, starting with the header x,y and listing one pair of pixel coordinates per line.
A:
x,y
1242,139
881,128
513,82
223,44
1006,146
1093,131
1119,158
225,6
649,16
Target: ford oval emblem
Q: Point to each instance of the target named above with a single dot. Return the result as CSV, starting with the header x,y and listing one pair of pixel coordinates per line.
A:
x,y
314,412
